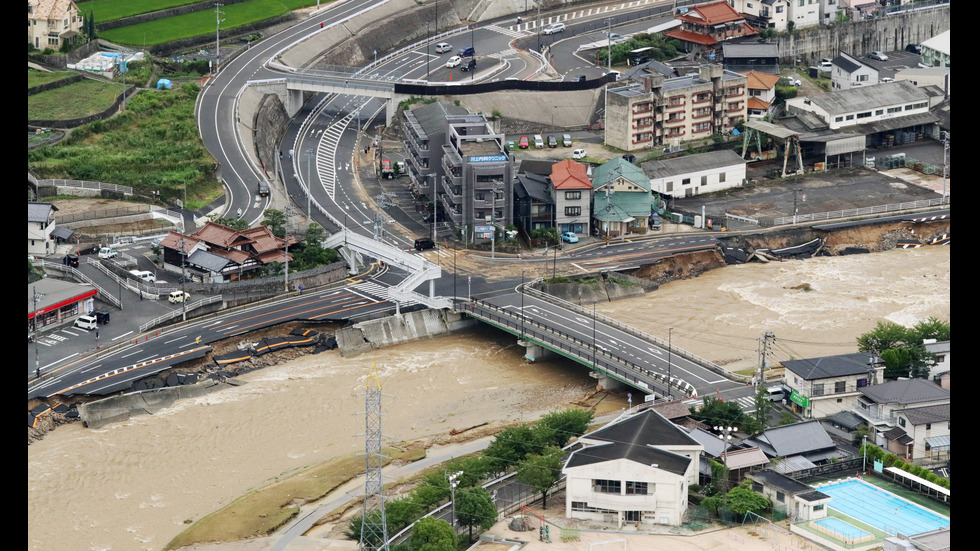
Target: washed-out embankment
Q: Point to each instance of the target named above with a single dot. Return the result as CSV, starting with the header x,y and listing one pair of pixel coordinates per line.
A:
x,y
582,289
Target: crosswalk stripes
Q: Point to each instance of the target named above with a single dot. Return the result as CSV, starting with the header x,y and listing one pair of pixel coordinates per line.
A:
x,y
378,291
508,31
747,403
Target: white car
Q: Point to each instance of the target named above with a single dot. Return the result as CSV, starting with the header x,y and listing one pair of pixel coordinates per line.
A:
x,y
453,62
553,28
443,47
880,56
578,154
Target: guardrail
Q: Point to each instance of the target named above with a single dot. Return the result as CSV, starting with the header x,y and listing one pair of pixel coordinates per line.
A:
x,y
614,366
78,275
635,332
858,212
178,313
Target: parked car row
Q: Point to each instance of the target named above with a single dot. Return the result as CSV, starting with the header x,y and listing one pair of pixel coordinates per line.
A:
x,y
539,141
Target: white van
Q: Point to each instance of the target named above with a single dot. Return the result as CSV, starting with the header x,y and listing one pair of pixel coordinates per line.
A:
x,y
86,322
776,393
538,141
178,296
145,276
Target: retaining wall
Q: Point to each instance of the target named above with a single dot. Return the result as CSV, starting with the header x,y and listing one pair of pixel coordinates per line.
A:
x,y
121,408
406,327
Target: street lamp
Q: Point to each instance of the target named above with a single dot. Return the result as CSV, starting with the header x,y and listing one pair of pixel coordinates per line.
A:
x,y
453,482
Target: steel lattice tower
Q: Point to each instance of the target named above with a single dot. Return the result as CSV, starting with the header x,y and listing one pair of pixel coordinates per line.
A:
x,y
374,527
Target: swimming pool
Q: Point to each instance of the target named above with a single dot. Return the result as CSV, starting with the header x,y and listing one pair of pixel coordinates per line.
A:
x,y
842,531
881,509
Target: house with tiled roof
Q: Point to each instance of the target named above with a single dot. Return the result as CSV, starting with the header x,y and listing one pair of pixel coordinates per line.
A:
x,y
807,440
910,418
571,191
622,199
52,23
216,253
704,26
792,498
823,386
634,471
762,93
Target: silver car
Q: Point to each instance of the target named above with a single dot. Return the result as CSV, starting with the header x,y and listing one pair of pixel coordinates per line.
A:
x,y
553,28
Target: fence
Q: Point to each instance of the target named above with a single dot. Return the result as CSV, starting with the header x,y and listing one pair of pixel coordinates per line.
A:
x,y
859,212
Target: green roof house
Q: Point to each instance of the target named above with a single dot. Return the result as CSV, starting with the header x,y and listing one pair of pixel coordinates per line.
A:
x,y
622,198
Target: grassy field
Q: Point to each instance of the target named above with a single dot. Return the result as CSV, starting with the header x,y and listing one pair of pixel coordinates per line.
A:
x,y
200,23
260,512
37,78
80,99
153,146
110,10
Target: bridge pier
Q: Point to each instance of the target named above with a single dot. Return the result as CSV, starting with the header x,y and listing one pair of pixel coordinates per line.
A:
x,y
605,381
533,351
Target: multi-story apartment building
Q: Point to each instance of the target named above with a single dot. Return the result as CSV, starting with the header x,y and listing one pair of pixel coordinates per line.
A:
x,y
572,193
425,133
477,182
656,111
51,23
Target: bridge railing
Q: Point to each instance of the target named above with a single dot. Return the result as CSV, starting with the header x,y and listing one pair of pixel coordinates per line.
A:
x,y
634,331
615,366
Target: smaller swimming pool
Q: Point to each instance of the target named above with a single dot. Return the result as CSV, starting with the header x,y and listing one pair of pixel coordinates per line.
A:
x,y
841,530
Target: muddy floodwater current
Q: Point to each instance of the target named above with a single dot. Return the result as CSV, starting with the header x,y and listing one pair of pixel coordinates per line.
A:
x,y
133,485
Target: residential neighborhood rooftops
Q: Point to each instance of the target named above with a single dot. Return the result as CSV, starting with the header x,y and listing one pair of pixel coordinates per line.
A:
x,y
928,414
633,451
909,391
569,174
784,483
808,437
824,367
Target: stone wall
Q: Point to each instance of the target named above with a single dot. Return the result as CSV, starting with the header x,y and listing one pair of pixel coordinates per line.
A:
x,y
858,38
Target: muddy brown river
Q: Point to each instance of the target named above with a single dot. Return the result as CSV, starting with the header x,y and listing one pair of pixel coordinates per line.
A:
x,y
133,485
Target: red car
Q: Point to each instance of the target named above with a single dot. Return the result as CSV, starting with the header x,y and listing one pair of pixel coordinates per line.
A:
x,y
523,144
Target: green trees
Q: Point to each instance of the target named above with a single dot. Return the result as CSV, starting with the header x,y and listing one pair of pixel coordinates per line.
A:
x,y
475,507
719,412
901,347
431,534
276,221
541,471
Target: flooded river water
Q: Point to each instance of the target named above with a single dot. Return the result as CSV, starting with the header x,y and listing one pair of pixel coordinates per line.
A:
x,y
133,485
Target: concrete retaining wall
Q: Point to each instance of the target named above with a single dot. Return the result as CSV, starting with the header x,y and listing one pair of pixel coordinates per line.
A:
x,y
121,408
411,326
608,286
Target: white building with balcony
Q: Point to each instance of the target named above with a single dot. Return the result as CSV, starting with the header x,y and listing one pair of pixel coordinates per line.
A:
x,y
636,471
827,385
910,417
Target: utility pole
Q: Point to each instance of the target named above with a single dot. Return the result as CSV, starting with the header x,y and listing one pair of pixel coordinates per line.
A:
x,y
289,212
764,343
217,36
